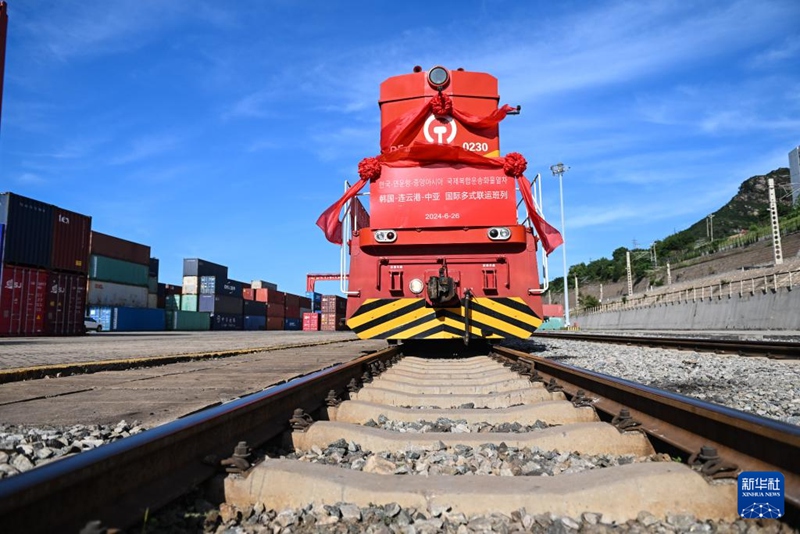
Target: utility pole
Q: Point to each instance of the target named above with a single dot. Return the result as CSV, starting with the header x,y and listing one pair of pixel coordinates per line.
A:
x,y
710,227
558,170
630,278
577,301
776,229
669,276
601,293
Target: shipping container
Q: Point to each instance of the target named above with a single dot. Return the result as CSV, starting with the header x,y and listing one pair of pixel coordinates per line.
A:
x,y
172,302
66,302
276,310
171,289
153,271
152,300
101,314
120,249
189,303
304,311
71,234
161,301
107,269
198,267
2,237
137,320
255,322
293,312
188,321
333,304
191,285
213,285
261,284
332,321
219,304
23,298
305,302
311,322
292,300
113,294
274,323
292,324
271,296
316,300
152,285
248,293
251,307
226,321
28,232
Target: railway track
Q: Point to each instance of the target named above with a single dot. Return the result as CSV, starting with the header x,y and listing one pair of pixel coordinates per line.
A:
x,y
767,349
540,398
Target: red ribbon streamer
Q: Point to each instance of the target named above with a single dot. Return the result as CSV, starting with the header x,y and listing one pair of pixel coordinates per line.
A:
x,y
402,131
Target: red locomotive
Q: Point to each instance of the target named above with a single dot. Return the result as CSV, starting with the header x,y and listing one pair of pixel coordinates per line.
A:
x,y
442,253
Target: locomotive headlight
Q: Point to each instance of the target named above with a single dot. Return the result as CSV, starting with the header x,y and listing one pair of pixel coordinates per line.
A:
x,y
385,236
416,286
438,78
499,233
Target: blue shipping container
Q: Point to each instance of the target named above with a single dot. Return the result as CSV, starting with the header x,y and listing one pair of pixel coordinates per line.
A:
x,y
102,315
292,324
255,322
138,320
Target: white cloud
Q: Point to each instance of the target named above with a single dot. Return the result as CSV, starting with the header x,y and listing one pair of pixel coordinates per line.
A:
x,y
28,178
146,147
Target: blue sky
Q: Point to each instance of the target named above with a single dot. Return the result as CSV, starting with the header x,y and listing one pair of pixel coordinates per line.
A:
x,y
221,130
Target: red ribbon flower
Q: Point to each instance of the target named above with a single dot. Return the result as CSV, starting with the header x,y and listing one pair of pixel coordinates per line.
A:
x,y
441,105
515,164
369,169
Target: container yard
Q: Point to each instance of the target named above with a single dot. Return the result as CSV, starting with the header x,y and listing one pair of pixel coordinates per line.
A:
x,y
56,270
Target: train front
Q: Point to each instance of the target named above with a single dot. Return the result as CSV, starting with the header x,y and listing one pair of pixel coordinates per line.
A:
x,y
445,255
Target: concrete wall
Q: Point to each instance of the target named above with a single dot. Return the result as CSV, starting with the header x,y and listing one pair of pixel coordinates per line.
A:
x,y
770,311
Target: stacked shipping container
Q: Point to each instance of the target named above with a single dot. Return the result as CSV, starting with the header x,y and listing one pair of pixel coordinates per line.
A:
x,y
122,292
333,313
44,254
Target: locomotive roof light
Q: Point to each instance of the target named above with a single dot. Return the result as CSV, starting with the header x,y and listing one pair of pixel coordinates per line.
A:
x,y
438,78
416,286
385,236
499,233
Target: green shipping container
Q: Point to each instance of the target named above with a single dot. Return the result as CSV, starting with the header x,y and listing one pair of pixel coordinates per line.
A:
x,y
122,272
172,302
185,320
189,303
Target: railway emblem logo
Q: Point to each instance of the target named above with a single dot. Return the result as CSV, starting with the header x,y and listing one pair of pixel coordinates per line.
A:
x,y
441,126
761,494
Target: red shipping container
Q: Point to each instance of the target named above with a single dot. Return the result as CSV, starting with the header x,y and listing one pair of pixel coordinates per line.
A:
x,y
274,323
333,304
271,296
305,302
249,293
66,301
276,310
292,312
332,321
171,289
120,249
292,301
71,234
22,301
310,322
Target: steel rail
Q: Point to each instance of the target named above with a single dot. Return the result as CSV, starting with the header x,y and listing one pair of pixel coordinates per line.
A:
x,y
769,349
753,443
119,482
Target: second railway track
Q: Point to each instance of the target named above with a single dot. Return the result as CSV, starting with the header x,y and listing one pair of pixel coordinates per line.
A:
x,y
522,442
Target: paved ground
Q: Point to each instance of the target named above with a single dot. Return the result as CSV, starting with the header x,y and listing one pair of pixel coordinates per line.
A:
x,y
156,395
39,351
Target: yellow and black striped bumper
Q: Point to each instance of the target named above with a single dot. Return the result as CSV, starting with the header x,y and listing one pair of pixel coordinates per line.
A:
x,y
490,318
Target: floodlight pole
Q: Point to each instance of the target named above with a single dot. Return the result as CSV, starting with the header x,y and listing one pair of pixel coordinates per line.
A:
x,y
558,170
